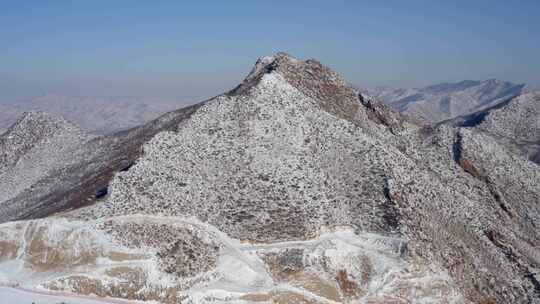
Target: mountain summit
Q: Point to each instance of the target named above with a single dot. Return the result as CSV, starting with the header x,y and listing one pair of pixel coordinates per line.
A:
x,y
309,77
292,187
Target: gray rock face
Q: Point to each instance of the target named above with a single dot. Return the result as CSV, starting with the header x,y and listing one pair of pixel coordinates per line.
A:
x,y
448,100
295,179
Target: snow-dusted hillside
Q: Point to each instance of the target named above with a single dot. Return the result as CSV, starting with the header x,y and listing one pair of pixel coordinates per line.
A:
x,y
447,100
515,124
291,188
98,115
33,147
54,166
519,119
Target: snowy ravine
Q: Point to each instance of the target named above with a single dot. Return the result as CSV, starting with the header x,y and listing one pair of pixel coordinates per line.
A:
x,y
291,188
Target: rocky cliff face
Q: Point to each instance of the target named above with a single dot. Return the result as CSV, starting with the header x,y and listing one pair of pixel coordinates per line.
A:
x,y
445,101
293,187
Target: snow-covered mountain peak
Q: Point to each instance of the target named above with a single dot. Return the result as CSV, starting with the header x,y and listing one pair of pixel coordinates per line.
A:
x,y
315,80
292,187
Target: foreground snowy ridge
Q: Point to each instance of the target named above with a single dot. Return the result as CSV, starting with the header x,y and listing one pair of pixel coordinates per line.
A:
x,y
66,256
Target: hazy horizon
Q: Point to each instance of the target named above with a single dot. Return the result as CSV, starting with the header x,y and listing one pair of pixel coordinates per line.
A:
x,y
190,52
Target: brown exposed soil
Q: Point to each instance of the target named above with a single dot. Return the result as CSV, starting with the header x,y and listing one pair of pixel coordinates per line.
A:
x,y
121,256
278,297
256,297
349,288
290,298
315,284
367,269
8,250
44,256
469,168
135,288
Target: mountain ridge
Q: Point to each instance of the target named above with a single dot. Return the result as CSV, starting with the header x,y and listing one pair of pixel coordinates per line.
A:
x,y
445,101
514,122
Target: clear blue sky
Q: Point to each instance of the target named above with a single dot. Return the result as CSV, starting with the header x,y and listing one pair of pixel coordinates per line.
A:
x,y
192,50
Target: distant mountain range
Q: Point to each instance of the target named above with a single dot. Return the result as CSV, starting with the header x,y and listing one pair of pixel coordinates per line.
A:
x,y
105,115
445,101
98,115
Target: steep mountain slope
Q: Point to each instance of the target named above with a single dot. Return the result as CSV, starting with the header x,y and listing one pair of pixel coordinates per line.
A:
x,y
98,115
519,119
448,100
515,124
293,187
68,174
